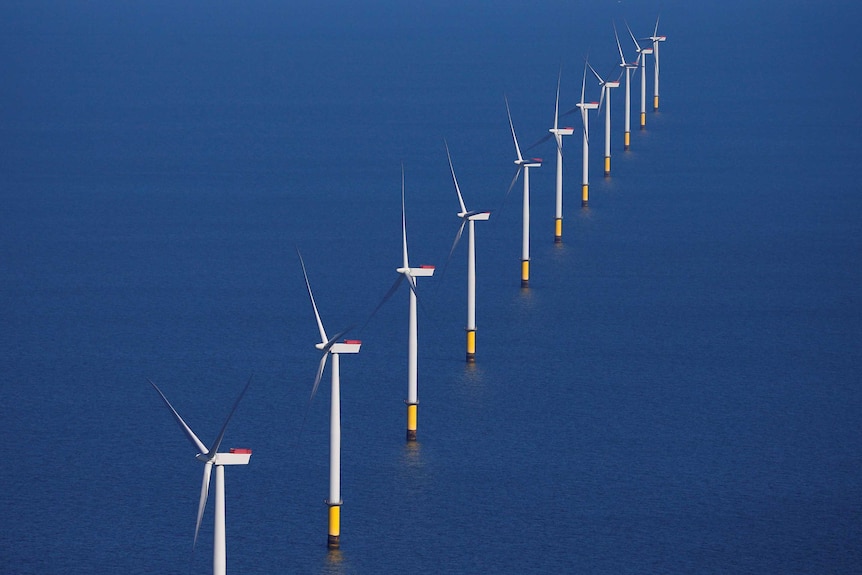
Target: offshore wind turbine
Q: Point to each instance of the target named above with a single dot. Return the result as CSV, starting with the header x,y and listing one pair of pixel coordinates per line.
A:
x,y
628,66
334,348
655,41
468,219
642,51
585,107
558,134
606,85
523,165
211,457
410,274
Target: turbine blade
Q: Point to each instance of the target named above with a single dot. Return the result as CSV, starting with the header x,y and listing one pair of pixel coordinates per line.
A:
x,y
311,297
511,125
540,141
511,185
214,449
452,250
557,101
454,179
637,46
655,32
320,367
386,297
403,221
596,74
197,443
602,98
619,46
205,488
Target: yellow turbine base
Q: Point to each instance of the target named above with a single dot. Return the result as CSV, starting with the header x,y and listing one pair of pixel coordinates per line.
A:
x,y
585,195
558,230
607,165
334,526
655,103
471,345
627,140
643,120
412,417
525,272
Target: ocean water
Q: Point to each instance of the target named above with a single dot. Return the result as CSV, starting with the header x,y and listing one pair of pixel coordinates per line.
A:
x,y
678,390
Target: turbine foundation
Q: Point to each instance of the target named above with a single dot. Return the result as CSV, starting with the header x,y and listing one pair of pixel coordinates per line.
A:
x,y
471,345
525,273
412,416
334,541
607,165
655,103
585,195
627,140
558,230
643,120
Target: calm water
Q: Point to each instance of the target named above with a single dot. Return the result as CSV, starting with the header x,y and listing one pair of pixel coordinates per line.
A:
x,y
677,392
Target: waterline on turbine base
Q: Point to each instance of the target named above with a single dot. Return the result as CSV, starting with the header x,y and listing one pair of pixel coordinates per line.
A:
x,y
585,195
655,103
525,273
412,417
607,165
627,141
334,540
643,120
558,230
471,345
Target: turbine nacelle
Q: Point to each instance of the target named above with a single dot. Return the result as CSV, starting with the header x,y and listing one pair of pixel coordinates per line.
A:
x,y
562,131
424,271
530,163
346,346
614,84
474,216
588,105
236,456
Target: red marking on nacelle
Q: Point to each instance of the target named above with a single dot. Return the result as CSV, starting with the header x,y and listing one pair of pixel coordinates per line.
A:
x,y
239,450
353,341
427,267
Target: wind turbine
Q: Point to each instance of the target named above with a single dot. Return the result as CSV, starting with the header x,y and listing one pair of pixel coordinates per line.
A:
x,y
628,66
655,41
524,165
642,51
585,107
212,458
410,274
334,348
558,134
468,219
606,85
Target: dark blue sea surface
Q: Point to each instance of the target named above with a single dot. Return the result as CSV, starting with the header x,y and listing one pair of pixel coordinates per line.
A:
x,y
678,391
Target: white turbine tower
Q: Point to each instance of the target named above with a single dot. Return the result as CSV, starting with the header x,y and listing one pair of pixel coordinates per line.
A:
x,y
655,41
606,85
558,134
212,458
585,107
524,165
628,66
642,51
468,219
331,347
410,274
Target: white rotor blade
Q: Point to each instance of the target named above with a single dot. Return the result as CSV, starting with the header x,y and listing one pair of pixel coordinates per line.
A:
x,y
619,46
205,488
455,180
386,297
637,46
403,221
655,32
511,185
511,125
214,449
596,74
557,101
454,245
197,443
323,337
